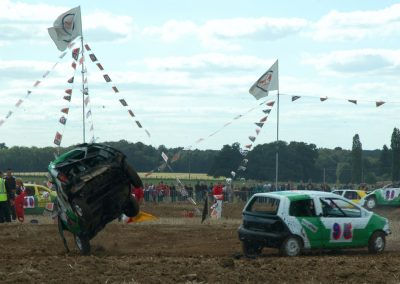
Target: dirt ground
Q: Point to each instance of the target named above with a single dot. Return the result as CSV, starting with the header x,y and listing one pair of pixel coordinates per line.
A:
x,y
175,249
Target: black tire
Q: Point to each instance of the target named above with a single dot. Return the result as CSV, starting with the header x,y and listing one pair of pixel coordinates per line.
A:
x,y
132,207
61,229
83,244
132,175
291,246
370,203
377,242
251,248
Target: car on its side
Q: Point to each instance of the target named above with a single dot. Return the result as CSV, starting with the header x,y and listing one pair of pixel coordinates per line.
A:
x,y
293,221
388,195
38,198
353,195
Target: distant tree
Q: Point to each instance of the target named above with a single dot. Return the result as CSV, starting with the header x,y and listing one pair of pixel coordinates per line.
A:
x,y
356,160
3,146
385,161
395,145
343,172
226,161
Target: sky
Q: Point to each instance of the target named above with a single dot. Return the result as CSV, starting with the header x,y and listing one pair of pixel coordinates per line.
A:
x,y
185,68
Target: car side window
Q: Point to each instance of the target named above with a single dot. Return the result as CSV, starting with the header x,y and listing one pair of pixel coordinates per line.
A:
x,y
352,195
263,205
338,192
335,207
302,208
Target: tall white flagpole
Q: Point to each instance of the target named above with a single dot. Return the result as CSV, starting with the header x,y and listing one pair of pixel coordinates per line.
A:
x,y
83,89
277,140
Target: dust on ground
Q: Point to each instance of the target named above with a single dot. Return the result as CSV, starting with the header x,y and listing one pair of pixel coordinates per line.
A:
x,y
175,249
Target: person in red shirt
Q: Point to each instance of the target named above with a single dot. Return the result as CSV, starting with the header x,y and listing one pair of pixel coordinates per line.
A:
x,y
139,194
218,189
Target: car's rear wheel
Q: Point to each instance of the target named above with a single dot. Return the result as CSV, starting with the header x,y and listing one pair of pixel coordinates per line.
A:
x,y
292,246
132,207
133,176
377,242
251,248
371,202
82,243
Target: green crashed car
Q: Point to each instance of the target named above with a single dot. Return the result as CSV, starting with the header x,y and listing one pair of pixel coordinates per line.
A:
x,y
387,195
293,221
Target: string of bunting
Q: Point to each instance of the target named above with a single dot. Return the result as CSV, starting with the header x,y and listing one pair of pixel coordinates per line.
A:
x,y
253,137
107,79
67,97
20,101
353,101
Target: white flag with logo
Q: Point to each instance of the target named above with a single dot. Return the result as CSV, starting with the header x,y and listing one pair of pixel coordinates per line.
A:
x,y
268,82
66,28
164,156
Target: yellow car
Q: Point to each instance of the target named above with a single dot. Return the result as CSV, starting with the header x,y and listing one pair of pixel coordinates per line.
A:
x,y
38,198
353,195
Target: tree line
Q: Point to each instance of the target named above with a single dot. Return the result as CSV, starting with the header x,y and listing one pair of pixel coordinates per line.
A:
x,y
298,161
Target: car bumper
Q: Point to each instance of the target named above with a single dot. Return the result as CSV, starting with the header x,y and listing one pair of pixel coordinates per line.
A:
x,y
268,239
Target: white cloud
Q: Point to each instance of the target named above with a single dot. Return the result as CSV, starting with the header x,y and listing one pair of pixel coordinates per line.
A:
x,y
357,25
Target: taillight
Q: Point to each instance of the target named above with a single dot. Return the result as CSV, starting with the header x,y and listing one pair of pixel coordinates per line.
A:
x,y
61,177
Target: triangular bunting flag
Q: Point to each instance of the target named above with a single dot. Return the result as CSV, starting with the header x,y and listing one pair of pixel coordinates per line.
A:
x,y
295,98
62,55
266,111
252,138
248,146
81,60
28,93
18,103
131,113
89,113
138,124
107,78
199,140
75,53
264,119
86,91
352,101
65,110
36,83
86,101
379,103
68,91
71,80
93,57
91,127
57,139
148,133
123,102
271,103
73,65
9,114
2,122
259,124
115,89
67,98
85,81
45,74
323,99
237,117
176,157
87,47
258,131
100,66
63,120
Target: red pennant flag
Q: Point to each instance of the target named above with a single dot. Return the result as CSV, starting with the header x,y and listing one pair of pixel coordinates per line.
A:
x,y
93,57
264,119
258,131
259,124
131,113
248,146
295,98
123,102
68,91
115,89
271,103
71,80
87,47
138,124
379,103
57,139
100,66
67,98
75,53
252,138
107,78
73,65
63,120
175,157
36,83
353,101
81,60
65,110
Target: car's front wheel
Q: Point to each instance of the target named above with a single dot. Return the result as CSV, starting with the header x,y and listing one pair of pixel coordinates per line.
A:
x,y
292,246
82,243
377,242
251,248
371,202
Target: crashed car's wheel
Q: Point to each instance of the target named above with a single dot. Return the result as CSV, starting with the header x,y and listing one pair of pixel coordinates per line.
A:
x,y
377,242
83,244
132,207
371,202
292,246
251,248
133,176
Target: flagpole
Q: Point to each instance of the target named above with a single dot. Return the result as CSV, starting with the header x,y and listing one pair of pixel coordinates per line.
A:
x,y
277,145
83,89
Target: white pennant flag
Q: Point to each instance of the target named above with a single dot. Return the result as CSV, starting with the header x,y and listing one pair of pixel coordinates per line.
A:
x,y
66,28
267,82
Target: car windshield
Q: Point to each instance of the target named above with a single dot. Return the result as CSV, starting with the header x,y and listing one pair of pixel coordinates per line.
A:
x,y
263,205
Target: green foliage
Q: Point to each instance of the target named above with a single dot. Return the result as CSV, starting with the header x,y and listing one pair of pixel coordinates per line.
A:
x,y
385,161
395,145
344,173
227,160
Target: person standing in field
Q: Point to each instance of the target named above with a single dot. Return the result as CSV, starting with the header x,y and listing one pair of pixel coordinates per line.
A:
x,y
11,187
4,204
